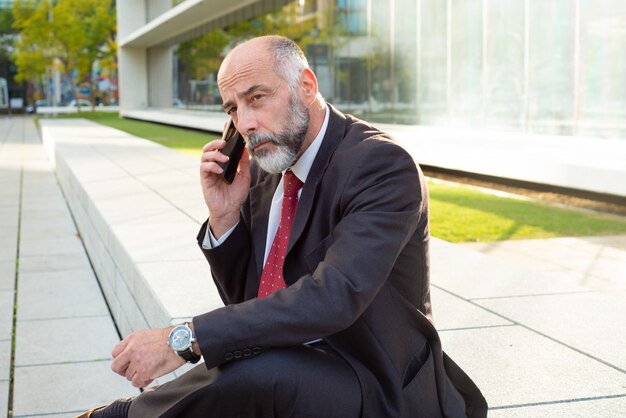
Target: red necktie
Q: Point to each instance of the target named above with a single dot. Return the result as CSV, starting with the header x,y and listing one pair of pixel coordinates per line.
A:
x,y
272,276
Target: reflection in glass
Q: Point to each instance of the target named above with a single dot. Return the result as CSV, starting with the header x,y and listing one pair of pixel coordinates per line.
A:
x,y
549,66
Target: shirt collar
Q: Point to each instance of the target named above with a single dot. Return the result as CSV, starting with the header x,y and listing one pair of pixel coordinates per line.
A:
x,y
302,167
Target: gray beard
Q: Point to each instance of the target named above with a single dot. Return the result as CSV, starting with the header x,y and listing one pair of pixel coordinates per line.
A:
x,y
288,142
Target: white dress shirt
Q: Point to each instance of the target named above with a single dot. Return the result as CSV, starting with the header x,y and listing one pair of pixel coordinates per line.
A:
x,y
301,169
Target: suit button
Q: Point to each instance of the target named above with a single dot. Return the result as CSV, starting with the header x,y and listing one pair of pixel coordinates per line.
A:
x,y
247,352
238,354
228,356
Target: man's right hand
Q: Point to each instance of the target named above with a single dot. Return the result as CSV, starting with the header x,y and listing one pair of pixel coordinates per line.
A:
x,y
222,199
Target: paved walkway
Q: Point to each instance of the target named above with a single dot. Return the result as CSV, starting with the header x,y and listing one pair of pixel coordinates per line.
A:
x,y
63,330
539,325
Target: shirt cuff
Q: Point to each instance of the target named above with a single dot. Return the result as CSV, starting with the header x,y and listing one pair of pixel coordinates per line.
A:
x,y
211,242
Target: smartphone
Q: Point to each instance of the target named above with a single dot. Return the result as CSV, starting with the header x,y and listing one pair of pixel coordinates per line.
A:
x,y
234,148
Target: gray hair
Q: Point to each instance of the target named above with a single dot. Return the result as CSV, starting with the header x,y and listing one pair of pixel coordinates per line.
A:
x,y
289,59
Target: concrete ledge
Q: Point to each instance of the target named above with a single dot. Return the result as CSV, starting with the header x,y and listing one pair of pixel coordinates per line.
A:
x,y
580,163
138,208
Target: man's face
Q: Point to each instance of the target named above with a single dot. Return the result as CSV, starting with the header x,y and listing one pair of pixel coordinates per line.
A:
x,y
287,142
270,116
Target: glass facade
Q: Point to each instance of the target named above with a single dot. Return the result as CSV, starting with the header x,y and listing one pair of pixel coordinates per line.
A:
x,y
543,66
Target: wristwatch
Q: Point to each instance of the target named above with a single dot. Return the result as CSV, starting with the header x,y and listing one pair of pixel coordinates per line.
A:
x,y
180,340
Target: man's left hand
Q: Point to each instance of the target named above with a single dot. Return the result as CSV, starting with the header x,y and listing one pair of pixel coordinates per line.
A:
x,y
144,356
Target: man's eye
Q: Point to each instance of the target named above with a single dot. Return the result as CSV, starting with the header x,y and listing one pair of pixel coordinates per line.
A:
x,y
231,111
257,97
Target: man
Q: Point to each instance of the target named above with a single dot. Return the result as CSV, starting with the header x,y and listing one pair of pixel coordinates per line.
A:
x,y
319,249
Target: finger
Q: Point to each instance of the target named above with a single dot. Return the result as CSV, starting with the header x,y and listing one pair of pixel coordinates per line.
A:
x,y
139,382
130,373
210,168
119,368
119,347
214,145
120,364
213,156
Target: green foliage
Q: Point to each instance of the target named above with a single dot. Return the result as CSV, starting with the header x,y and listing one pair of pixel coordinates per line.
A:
x,y
6,33
6,21
71,34
31,55
203,55
459,214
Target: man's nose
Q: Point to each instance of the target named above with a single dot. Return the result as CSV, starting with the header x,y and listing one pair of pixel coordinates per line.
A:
x,y
247,121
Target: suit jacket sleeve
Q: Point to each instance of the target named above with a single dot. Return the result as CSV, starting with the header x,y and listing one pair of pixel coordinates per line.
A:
x,y
229,277
377,207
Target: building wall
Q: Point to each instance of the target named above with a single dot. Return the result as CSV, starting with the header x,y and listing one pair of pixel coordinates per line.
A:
x,y
550,66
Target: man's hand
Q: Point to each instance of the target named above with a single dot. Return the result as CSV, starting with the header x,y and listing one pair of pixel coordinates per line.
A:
x,y
144,356
222,199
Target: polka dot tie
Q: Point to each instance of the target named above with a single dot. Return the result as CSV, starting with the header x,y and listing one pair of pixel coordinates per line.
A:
x,y
272,276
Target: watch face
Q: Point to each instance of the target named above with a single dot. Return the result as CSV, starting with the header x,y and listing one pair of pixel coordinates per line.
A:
x,y
180,338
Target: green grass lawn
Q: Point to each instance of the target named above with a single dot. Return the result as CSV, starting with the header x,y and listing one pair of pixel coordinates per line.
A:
x,y
461,214
457,213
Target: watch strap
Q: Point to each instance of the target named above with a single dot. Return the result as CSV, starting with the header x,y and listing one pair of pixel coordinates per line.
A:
x,y
189,355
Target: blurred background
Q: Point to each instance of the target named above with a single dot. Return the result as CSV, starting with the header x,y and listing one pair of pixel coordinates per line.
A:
x,y
539,66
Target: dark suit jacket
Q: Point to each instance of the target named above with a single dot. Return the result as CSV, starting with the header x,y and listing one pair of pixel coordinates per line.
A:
x,y
357,276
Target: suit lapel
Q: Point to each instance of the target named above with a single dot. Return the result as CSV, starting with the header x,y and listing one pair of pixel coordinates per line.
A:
x,y
334,134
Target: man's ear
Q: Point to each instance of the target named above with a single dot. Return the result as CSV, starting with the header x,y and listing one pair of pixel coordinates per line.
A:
x,y
308,81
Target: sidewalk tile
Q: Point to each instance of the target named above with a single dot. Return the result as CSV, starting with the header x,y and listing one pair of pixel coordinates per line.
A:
x,y
594,323
59,294
614,241
6,314
51,246
10,199
451,312
8,250
8,216
509,254
44,214
4,398
67,340
68,388
49,263
7,275
52,228
597,408
5,358
470,274
197,211
589,281
515,366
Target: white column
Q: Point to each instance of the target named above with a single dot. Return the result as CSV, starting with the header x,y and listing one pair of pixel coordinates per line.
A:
x,y
161,77
132,62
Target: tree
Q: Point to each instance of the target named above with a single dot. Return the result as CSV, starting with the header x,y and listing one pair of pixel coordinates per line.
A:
x,y
29,56
6,33
76,33
203,55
